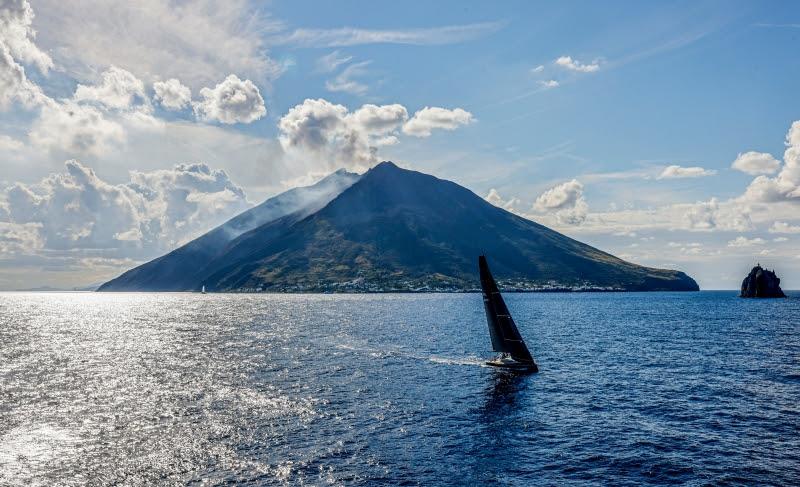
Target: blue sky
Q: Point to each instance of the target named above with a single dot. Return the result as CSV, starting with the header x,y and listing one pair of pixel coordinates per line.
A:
x,y
617,123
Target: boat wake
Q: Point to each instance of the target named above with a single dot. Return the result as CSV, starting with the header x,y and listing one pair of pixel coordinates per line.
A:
x,y
395,353
457,361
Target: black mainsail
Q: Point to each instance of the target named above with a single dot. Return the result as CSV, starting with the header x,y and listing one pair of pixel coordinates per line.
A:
x,y
505,336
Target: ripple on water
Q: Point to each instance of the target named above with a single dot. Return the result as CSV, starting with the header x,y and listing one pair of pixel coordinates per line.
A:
x,y
142,389
27,450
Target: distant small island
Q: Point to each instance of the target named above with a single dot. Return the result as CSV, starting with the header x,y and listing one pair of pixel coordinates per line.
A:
x,y
761,283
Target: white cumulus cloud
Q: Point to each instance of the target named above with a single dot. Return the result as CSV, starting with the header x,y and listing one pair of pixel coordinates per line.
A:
x,y
75,209
379,119
155,211
185,201
231,101
703,215
118,89
95,120
74,128
16,238
326,136
90,122
17,34
18,49
755,163
566,201
172,94
560,196
494,198
333,136
574,65
711,215
318,128
429,118
785,186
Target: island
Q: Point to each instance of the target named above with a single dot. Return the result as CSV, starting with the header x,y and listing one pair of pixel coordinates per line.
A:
x,y
388,230
761,283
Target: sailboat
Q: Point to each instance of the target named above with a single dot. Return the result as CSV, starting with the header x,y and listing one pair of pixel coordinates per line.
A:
x,y
502,330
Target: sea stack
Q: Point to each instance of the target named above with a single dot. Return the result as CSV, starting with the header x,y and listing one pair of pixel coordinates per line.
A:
x,y
761,283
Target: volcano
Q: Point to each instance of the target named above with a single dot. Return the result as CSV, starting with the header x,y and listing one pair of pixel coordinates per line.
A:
x,y
391,229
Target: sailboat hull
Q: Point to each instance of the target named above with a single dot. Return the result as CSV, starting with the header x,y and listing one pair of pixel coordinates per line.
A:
x,y
511,364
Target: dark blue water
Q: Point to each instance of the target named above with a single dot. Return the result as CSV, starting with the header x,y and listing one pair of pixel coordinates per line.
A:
x,y
142,389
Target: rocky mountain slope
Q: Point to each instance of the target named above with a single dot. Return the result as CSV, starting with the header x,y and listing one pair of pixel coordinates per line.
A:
x,y
401,230
182,269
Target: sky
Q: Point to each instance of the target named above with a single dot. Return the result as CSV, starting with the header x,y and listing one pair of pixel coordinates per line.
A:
x,y
665,133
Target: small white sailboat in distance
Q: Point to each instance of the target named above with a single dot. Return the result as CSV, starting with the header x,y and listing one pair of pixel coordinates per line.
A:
x,y
502,330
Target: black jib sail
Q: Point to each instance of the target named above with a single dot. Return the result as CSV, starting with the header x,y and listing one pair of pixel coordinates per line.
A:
x,y
504,333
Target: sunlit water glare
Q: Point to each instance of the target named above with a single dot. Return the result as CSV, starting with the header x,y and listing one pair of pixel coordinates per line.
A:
x,y
142,389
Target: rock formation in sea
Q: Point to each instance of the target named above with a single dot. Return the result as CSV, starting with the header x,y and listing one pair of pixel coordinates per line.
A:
x,y
761,283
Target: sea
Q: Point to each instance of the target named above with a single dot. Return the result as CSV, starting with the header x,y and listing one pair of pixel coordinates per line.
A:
x,y
391,389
